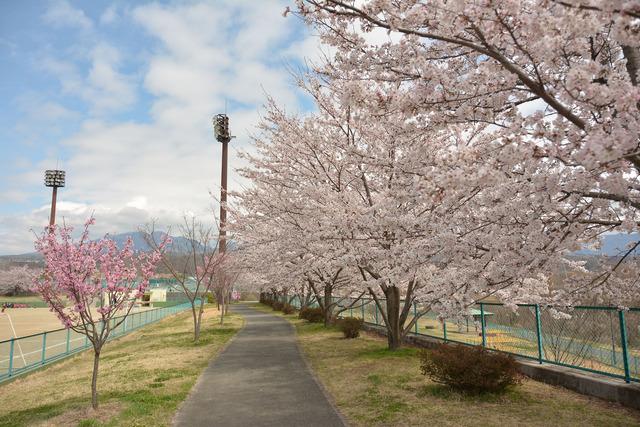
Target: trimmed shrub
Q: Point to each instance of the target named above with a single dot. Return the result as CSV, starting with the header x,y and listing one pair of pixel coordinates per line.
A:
x,y
350,326
469,368
312,314
211,299
277,305
288,309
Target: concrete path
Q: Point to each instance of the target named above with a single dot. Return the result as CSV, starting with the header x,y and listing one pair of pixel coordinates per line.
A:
x,y
260,379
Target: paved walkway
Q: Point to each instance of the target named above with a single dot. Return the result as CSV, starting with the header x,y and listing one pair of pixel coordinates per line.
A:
x,y
260,379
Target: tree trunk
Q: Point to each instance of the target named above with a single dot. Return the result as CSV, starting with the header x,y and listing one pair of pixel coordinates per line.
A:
x,y
328,290
196,332
196,323
222,311
200,312
94,379
394,330
632,55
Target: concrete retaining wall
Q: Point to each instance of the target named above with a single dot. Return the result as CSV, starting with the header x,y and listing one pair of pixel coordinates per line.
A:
x,y
612,389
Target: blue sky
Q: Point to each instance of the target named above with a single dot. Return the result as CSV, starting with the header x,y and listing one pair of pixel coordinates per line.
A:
x,y
121,94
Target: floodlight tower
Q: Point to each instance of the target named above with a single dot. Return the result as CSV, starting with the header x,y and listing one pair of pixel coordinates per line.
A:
x,y
54,179
221,131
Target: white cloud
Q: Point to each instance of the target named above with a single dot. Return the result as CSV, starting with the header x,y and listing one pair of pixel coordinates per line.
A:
x,y
129,172
103,87
110,15
61,14
41,110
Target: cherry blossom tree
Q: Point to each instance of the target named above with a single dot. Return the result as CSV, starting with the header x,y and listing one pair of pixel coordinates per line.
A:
x,y
224,279
16,280
91,285
464,156
402,205
557,81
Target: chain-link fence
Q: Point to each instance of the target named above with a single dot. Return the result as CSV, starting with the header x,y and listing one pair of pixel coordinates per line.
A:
x,y
603,340
24,354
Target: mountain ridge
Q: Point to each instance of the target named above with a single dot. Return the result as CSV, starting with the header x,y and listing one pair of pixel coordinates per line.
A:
x,y
178,244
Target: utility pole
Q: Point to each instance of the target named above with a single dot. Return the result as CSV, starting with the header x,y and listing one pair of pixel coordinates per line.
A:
x,y
54,179
221,131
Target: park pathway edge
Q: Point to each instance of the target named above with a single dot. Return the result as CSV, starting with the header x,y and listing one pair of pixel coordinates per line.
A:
x,y
261,378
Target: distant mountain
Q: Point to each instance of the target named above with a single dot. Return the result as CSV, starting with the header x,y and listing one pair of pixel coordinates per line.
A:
x,y
20,259
178,244
614,245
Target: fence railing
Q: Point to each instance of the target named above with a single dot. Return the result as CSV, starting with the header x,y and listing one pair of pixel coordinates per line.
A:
x,y
24,354
603,340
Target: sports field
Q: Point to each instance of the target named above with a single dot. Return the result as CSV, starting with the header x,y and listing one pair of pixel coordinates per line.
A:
x,y
29,321
42,339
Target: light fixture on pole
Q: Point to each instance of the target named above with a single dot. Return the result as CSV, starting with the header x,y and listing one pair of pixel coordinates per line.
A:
x,y
55,180
221,131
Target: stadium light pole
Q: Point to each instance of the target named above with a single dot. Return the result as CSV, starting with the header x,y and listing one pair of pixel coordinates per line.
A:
x,y
54,179
221,131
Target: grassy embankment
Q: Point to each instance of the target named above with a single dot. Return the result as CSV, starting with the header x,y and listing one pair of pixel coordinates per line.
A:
x,y
143,378
375,387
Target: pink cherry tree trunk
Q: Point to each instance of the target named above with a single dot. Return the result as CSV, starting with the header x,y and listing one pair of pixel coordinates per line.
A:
x,y
91,285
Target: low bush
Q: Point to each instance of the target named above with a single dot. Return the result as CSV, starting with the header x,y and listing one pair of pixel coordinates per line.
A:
x,y
312,314
288,309
350,326
211,299
470,369
277,305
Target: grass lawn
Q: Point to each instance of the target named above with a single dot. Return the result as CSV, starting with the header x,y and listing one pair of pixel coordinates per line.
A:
x,y
143,378
375,387
32,300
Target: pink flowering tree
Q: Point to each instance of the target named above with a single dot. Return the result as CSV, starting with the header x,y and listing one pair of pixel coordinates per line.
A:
x,y
91,285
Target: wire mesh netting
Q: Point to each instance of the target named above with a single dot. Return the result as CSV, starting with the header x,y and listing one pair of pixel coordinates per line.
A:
x,y
589,338
633,340
511,331
586,338
19,355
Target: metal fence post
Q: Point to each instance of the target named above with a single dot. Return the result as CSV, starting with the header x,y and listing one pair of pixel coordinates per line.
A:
x,y
68,340
484,335
415,316
44,347
625,352
539,333
11,356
